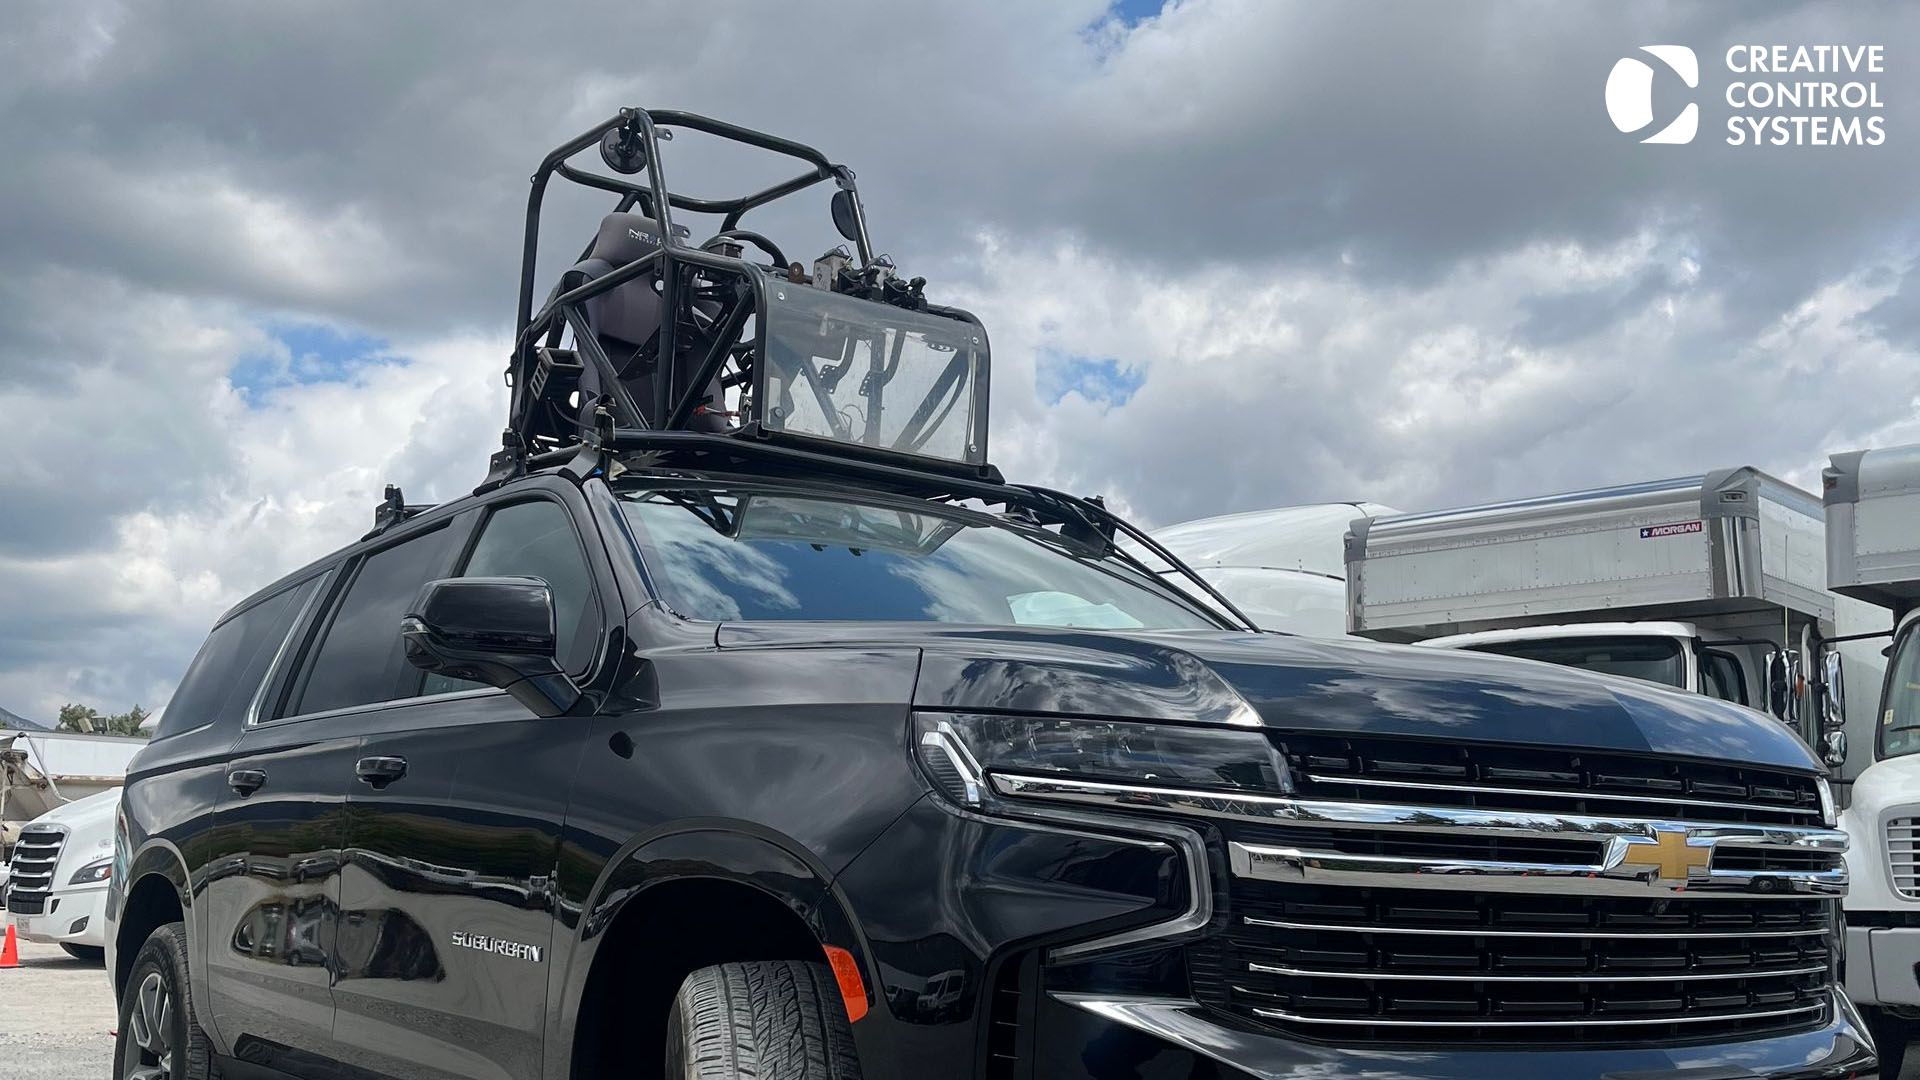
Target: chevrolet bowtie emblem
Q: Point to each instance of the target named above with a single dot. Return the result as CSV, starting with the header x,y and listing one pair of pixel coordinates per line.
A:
x,y
1669,854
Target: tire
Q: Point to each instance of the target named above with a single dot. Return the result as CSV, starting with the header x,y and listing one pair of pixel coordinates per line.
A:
x,y
92,954
763,1019
1890,1037
159,1037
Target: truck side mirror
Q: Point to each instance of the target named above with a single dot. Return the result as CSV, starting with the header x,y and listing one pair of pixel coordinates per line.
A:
x,y
1833,693
492,630
1833,748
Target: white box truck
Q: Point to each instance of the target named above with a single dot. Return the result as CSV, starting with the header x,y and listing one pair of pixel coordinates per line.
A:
x,y
1712,583
1873,555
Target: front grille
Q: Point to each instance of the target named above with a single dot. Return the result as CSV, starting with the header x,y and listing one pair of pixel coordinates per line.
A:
x,y
1425,966
30,873
1418,892
1903,837
1545,780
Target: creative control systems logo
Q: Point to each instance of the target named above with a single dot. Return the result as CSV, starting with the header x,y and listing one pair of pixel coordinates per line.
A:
x,y
1825,95
1630,93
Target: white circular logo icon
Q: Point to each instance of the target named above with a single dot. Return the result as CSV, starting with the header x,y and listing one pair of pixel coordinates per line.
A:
x,y
1630,93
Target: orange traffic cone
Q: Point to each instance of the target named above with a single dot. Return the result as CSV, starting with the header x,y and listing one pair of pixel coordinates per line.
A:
x,y
10,952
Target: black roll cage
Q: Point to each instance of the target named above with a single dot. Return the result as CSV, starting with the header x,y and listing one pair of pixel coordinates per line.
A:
x,y
613,435
689,358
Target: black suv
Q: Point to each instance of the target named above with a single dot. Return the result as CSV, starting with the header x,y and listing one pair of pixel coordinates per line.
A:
x,y
787,740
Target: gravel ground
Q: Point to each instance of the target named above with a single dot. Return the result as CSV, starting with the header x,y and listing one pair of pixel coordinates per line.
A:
x,y
55,1017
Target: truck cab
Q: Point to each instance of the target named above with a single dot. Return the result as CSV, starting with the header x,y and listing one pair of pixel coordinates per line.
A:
x,y
1873,556
1676,654
57,889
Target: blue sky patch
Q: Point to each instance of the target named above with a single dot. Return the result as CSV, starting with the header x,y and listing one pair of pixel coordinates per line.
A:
x,y
316,353
1134,12
1100,379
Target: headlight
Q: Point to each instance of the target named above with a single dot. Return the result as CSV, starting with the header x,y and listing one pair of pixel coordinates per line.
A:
x,y
98,870
961,751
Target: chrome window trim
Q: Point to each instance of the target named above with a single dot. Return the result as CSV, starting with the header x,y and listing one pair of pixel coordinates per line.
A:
x,y
1538,793
383,706
1485,1022
272,674
1480,977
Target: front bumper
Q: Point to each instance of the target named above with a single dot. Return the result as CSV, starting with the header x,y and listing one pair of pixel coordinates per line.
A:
x,y
1883,965
1097,1036
70,917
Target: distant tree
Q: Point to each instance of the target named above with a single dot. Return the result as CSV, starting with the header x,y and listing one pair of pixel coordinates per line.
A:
x,y
81,718
127,723
87,720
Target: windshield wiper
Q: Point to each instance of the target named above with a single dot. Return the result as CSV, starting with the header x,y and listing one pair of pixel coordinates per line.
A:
x,y
1093,515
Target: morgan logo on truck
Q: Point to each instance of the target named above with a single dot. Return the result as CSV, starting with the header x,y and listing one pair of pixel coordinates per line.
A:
x,y
1677,528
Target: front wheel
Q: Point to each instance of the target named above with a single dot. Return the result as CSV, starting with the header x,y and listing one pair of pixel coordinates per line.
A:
x,y
764,1019
159,1037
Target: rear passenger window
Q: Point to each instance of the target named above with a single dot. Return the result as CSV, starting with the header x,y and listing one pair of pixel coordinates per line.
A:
x,y
359,661
220,683
536,539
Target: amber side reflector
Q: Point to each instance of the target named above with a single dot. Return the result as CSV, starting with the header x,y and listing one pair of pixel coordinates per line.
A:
x,y
846,972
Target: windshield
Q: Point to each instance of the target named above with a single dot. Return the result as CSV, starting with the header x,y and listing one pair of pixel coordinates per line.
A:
x,y
1900,722
723,554
1657,660
863,372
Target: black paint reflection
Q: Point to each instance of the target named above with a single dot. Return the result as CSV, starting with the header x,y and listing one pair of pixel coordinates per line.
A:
x,y
310,931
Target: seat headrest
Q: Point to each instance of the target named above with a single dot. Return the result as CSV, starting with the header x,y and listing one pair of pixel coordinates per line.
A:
x,y
625,237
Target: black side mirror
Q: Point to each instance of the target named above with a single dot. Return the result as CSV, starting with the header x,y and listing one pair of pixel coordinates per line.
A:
x,y
493,630
846,218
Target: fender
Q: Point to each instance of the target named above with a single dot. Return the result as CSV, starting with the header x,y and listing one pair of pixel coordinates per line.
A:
x,y
159,858
709,849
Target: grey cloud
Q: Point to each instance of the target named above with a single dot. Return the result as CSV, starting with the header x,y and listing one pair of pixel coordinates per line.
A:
x,y
1299,221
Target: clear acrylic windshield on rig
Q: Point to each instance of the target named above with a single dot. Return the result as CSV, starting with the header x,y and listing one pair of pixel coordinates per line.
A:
x,y
854,371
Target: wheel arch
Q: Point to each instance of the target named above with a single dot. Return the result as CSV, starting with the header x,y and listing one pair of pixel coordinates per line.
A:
x,y
701,893
157,893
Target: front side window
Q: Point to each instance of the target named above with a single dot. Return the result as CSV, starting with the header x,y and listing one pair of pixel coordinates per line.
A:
x,y
359,661
721,555
1657,660
1721,677
1900,720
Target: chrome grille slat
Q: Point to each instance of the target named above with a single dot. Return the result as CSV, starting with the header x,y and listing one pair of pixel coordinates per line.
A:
x,y
1903,855
1590,977
1665,800
1487,1022
1629,935
30,872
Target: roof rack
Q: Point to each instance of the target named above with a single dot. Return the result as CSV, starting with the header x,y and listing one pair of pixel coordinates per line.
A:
x,y
650,332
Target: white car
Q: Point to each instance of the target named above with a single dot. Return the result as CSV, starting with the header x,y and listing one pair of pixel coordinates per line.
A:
x,y
57,888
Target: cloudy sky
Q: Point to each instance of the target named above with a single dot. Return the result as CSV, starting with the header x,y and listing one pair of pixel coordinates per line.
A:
x,y
258,260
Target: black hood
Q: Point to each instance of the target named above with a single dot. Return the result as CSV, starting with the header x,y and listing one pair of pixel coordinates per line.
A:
x,y
1307,684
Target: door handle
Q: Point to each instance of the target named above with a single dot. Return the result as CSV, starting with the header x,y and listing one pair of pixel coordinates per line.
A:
x,y
380,771
245,782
